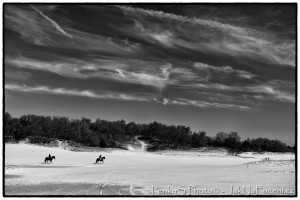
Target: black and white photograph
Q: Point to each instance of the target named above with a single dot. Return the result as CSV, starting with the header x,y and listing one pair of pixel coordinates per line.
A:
x,y
149,99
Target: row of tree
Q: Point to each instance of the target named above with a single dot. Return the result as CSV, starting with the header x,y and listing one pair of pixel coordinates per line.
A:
x,y
103,133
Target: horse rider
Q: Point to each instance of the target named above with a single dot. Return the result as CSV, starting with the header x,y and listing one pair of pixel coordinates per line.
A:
x,y
49,155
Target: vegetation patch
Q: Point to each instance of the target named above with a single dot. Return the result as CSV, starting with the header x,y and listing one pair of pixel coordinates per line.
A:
x,y
47,130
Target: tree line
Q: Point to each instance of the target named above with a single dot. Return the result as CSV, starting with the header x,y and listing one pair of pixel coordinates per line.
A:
x,y
103,133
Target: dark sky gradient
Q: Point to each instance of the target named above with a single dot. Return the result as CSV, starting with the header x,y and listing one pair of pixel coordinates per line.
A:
x,y
213,67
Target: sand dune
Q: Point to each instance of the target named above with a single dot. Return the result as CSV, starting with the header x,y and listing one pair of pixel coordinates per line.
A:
x,y
141,173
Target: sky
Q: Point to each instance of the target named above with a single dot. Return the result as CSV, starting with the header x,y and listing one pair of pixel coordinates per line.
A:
x,y
213,67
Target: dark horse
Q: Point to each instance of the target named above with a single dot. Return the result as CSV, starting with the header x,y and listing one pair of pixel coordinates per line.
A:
x,y
50,158
101,160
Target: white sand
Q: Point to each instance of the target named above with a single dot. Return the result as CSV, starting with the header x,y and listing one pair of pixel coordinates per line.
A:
x,y
209,169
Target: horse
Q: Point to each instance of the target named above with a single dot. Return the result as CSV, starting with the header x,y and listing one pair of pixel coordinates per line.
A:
x,y
101,160
49,159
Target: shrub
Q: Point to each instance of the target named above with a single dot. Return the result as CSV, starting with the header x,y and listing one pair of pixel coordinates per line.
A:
x,y
39,140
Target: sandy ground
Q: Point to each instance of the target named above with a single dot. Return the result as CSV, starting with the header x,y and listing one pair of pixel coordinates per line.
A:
x,y
135,172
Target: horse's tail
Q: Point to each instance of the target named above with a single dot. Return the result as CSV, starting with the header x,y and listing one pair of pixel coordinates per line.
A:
x,y
45,160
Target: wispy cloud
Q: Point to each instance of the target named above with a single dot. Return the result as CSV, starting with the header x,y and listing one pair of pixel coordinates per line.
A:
x,y
182,76
142,78
273,93
163,76
21,19
74,92
119,71
184,19
64,68
203,104
55,24
226,70
42,30
212,36
265,91
158,80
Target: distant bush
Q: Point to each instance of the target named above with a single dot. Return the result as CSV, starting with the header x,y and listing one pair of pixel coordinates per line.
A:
x,y
144,138
39,140
157,147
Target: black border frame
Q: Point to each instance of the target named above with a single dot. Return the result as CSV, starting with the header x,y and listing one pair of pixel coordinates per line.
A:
x,y
148,3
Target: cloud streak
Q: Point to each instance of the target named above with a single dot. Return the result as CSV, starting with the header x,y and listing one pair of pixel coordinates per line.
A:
x,y
263,92
157,77
204,104
217,37
184,19
55,24
158,80
226,70
74,92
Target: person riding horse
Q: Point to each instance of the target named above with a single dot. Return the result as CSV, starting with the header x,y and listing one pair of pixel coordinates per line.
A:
x,y
49,158
100,159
